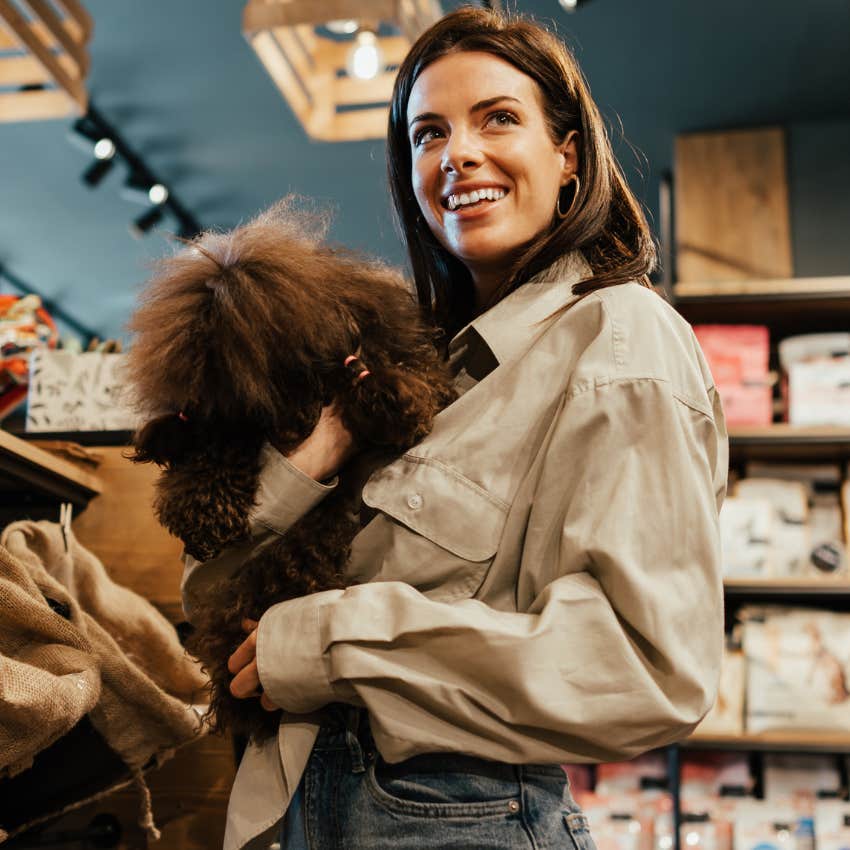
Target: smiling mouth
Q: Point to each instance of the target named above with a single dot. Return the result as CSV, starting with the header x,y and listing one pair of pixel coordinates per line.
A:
x,y
475,198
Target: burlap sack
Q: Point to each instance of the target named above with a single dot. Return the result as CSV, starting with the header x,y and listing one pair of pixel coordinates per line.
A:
x,y
117,659
49,673
147,677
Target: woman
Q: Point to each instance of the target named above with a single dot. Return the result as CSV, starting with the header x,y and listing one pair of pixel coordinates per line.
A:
x,y
539,582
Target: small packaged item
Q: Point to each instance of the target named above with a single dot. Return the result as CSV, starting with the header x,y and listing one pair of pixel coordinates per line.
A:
x,y
789,537
832,825
817,378
738,357
746,528
797,663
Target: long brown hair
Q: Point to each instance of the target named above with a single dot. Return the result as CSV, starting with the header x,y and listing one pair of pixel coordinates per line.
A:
x,y
605,222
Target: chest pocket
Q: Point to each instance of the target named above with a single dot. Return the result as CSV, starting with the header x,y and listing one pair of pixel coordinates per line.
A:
x,y
435,529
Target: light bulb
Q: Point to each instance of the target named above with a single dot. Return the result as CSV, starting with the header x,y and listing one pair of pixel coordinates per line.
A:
x,y
104,149
365,60
568,5
158,194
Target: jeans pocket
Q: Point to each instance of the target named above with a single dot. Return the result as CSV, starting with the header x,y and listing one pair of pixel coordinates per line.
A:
x,y
579,831
441,793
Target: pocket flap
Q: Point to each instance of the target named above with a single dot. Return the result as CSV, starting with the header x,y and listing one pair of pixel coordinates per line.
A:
x,y
439,503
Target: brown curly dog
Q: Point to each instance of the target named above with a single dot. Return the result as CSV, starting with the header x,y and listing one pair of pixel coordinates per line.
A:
x,y
240,339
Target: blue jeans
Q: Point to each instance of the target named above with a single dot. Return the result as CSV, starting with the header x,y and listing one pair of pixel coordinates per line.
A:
x,y
351,799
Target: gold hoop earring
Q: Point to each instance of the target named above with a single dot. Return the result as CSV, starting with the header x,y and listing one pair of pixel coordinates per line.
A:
x,y
561,213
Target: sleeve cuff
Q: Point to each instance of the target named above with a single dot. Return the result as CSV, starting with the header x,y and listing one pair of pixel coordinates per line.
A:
x,y
285,493
290,657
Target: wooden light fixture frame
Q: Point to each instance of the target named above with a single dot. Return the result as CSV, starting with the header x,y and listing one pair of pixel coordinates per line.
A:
x,y
310,70
43,59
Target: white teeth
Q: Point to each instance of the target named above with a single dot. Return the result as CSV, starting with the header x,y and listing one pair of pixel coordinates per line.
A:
x,y
490,194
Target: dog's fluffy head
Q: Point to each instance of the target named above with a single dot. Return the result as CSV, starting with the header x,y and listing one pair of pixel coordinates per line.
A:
x,y
242,337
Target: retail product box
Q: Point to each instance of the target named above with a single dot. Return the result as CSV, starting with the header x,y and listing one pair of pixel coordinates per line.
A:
x,y
746,532
71,391
819,392
803,536
797,781
738,356
816,378
797,664
832,825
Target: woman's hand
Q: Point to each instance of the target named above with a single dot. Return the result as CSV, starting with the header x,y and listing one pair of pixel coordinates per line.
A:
x,y
243,664
326,449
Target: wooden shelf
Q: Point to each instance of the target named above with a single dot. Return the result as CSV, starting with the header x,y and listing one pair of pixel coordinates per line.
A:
x,y
814,741
782,441
795,288
787,307
26,470
780,588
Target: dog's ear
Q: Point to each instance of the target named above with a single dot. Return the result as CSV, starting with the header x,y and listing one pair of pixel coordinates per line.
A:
x,y
165,440
207,503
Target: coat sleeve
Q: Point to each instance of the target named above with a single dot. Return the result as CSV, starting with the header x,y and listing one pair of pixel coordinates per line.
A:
x,y
617,642
284,495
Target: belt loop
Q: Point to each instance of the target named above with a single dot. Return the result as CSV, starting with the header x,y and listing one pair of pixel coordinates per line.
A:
x,y
352,724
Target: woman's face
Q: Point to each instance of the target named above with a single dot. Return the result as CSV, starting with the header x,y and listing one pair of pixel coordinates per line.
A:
x,y
486,173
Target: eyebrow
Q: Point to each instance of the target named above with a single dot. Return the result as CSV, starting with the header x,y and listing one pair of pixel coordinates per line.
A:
x,y
477,107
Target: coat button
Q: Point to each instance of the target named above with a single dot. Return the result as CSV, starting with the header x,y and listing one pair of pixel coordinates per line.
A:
x,y
513,806
414,501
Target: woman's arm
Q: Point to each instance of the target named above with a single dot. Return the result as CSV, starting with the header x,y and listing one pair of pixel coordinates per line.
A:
x,y
617,645
288,488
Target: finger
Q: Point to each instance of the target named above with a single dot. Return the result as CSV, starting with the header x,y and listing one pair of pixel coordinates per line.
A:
x,y
267,704
246,682
249,625
244,654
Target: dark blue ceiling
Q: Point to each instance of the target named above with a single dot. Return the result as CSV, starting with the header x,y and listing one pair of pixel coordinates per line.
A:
x,y
187,92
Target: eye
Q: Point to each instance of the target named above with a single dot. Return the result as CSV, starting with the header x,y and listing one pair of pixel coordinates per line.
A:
x,y
425,134
502,118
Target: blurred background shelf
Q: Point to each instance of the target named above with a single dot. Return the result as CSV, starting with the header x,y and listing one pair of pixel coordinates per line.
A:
x,y
790,306
782,441
797,741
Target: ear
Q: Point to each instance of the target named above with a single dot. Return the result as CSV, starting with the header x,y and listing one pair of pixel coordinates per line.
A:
x,y
569,149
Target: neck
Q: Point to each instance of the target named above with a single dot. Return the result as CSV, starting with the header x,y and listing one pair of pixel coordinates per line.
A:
x,y
485,283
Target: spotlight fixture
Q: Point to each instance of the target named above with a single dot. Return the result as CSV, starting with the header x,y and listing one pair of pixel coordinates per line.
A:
x,y
146,221
94,134
104,159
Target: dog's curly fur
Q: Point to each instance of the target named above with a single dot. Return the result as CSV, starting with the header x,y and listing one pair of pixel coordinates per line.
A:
x,y
240,339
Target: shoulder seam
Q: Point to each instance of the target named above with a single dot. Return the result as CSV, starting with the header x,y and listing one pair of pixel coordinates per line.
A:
x,y
598,383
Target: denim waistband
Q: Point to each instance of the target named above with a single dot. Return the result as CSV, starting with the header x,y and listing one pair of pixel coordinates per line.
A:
x,y
346,727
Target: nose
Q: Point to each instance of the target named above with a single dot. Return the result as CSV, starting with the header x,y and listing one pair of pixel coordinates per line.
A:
x,y
460,153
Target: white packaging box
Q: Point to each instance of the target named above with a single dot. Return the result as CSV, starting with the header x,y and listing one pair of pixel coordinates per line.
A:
x,y
798,662
819,392
77,392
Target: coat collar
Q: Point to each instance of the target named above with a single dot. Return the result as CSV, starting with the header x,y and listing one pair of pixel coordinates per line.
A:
x,y
507,327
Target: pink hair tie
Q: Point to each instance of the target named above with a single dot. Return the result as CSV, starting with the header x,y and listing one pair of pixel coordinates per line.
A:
x,y
350,359
182,416
363,374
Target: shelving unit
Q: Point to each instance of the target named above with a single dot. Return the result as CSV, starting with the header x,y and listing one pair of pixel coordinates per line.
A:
x,y
787,308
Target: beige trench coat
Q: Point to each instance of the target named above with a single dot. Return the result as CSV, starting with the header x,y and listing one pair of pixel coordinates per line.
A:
x,y
541,582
